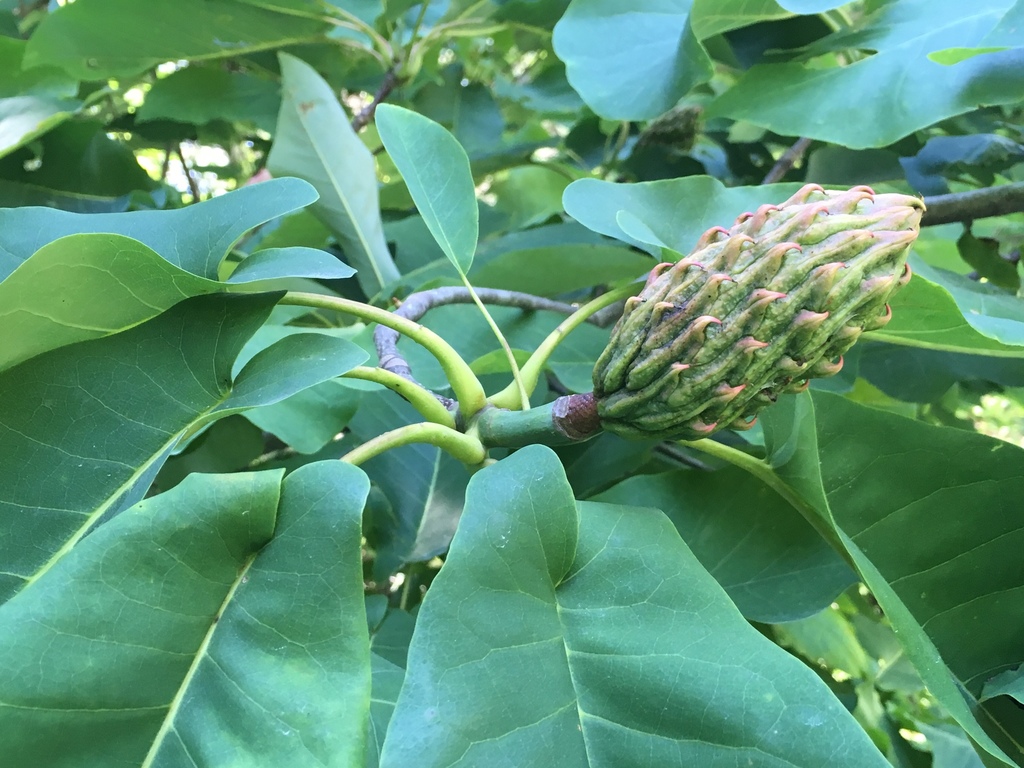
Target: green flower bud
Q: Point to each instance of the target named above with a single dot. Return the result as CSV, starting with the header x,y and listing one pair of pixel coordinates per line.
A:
x,y
754,311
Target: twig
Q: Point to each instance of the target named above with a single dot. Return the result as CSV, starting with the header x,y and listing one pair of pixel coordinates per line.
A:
x,y
975,204
418,304
193,185
166,163
390,82
789,158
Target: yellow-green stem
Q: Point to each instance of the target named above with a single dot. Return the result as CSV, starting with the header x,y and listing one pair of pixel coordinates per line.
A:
x,y
466,449
763,472
517,379
467,388
419,398
533,367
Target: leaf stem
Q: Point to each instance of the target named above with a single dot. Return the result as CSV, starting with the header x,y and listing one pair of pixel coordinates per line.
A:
x,y
533,367
763,472
465,448
355,23
419,23
467,388
517,378
418,397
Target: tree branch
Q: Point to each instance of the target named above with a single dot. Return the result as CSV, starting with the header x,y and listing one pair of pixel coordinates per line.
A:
x,y
975,204
789,158
390,82
193,185
418,304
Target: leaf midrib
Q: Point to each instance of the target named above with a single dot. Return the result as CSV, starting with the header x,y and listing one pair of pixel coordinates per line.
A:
x,y
200,656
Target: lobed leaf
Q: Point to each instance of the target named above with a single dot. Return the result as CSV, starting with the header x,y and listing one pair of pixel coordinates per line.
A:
x,y
86,427
769,560
235,600
590,633
880,481
909,91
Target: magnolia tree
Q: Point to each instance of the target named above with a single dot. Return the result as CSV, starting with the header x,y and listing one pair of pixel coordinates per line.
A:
x,y
511,383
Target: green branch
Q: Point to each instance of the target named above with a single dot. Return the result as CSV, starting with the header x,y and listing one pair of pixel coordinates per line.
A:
x,y
421,399
467,388
465,448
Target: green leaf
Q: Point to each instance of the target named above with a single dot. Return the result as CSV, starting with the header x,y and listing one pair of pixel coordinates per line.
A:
x,y
387,683
310,419
826,639
289,366
593,634
554,270
76,166
634,61
630,62
84,287
228,445
195,238
943,311
315,142
676,211
1007,31
87,286
436,171
295,261
201,95
991,311
389,645
950,748
770,561
1008,683
114,407
983,255
237,599
881,481
908,91
100,39
31,101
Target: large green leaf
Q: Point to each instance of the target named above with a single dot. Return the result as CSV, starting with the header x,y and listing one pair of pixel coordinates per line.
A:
x,y
953,597
99,39
633,61
436,170
315,142
77,166
31,101
177,635
309,419
676,211
92,285
85,428
591,636
770,561
905,90
201,95
549,271
195,238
